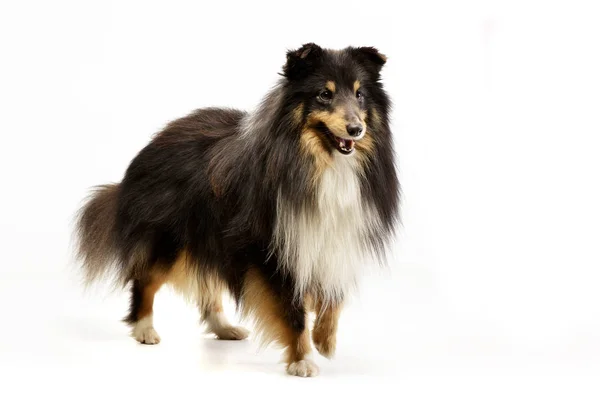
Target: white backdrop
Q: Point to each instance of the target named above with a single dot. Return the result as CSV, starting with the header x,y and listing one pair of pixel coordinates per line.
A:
x,y
493,291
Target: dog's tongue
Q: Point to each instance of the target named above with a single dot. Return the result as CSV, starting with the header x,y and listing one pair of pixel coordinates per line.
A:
x,y
346,144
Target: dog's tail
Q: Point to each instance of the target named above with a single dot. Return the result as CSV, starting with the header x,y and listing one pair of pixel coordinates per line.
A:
x,y
96,235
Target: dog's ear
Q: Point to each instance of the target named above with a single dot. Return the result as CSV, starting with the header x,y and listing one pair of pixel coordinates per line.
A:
x,y
370,57
301,62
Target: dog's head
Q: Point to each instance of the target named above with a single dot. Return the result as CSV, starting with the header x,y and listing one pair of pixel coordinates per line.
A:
x,y
338,93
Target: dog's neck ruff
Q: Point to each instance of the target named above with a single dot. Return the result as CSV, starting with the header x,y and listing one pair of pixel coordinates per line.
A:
x,y
325,246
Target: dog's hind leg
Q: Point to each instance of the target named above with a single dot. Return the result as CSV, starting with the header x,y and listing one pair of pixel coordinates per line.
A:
x,y
140,309
210,305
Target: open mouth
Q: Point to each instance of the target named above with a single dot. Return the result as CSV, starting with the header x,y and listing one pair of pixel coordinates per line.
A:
x,y
344,146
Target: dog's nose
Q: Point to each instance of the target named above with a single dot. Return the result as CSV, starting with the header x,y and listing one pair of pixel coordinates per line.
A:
x,y
354,129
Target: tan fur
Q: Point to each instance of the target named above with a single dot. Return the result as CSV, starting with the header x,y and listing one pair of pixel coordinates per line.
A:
x,y
148,292
366,145
335,121
330,85
312,143
325,328
298,111
310,303
356,86
260,304
206,289
299,347
375,118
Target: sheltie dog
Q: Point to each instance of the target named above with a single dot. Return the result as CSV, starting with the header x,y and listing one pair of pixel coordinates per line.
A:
x,y
280,208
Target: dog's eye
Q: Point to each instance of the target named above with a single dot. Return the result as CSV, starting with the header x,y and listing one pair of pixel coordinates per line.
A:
x,y
326,96
359,94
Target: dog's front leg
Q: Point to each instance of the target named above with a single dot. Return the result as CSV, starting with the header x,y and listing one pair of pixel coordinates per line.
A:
x,y
325,329
280,318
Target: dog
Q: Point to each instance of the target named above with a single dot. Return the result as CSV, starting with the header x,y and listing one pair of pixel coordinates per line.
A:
x,y
280,208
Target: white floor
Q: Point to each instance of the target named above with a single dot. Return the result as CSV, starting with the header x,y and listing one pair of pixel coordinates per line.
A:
x,y
58,340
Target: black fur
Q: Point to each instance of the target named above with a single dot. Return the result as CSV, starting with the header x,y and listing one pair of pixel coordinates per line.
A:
x,y
135,301
208,186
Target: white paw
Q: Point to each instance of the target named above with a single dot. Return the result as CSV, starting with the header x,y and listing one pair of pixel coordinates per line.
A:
x,y
303,368
144,332
146,336
232,333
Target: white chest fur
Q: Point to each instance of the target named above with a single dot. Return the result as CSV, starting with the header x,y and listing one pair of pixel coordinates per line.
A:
x,y
326,248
